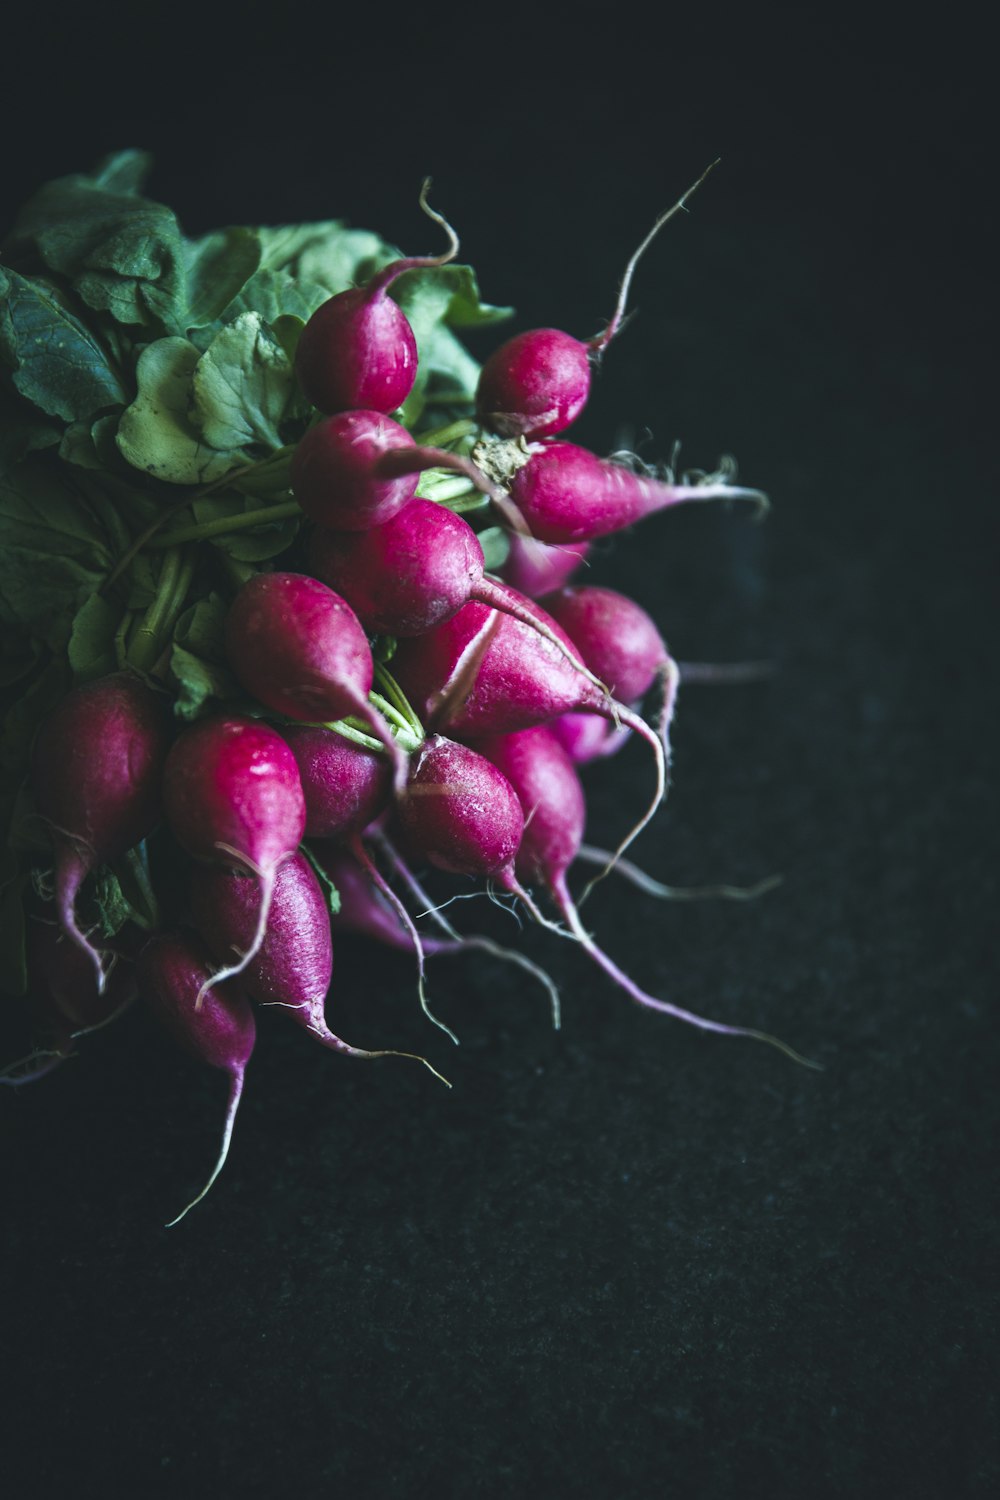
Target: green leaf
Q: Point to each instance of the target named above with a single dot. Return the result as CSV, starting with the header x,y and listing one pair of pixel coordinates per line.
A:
x,y
327,252
276,294
252,543
157,433
217,269
57,363
198,660
495,542
55,552
242,386
123,253
123,171
432,299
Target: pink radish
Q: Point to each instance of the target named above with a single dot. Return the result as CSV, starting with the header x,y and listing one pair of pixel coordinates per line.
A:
x,y
96,769
334,473
413,572
538,382
534,568
232,795
616,637
345,784
586,738
173,975
300,649
546,783
565,493
294,964
358,349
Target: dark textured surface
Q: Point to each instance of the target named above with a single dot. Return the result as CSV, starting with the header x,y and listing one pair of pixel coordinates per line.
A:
x,y
629,1258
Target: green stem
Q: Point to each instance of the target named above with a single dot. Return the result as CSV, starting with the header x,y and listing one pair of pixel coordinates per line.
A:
x,y
201,531
174,582
392,690
440,437
137,861
466,501
389,711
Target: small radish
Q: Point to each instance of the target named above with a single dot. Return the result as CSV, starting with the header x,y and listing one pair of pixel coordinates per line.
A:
x,y
358,349
173,974
546,783
616,637
96,769
346,785
334,473
565,493
294,964
538,382
586,738
299,648
232,795
534,568
482,672
462,815
413,572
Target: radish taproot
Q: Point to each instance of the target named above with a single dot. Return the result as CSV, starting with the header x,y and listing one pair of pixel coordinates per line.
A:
x,y
546,783
96,769
335,475
215,1025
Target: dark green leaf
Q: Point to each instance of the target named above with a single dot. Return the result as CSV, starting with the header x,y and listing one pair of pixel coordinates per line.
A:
x,y
91,649
218,267
57,363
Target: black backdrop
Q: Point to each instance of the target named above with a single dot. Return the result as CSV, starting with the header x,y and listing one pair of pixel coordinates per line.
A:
x,y
628,1258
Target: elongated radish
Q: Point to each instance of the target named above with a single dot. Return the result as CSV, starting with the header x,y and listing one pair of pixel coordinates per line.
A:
x,y
300,649
538,382
294,963
358,348
174,973
565,493
96,769
232,796
546,783
334,474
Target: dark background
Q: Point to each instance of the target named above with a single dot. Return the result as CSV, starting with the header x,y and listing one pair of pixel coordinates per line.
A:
x,y
629,1258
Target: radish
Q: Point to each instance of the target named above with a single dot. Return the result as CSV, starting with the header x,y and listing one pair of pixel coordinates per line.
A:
x,y
538,382
545,781
96,769
534,568
294,964
358,348
345,785
585,737
616,638
463,816
174,974
299,648
232,795
418,569
482,672
565,493
334,475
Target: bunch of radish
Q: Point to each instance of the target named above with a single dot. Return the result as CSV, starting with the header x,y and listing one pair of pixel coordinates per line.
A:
x,y
402,710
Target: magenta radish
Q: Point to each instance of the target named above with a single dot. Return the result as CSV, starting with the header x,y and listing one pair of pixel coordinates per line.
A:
x,y
616,637
173,974
232,796
482,672
548,788
358,349
96,769
534,568
413,572
300,649
565,494
463,816
586,738
334,473
293,966
345,785
538,382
